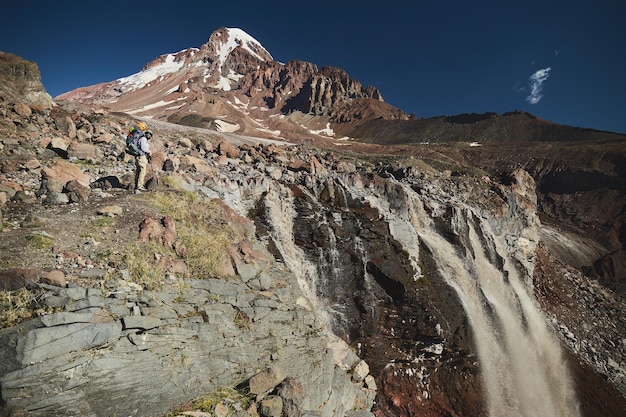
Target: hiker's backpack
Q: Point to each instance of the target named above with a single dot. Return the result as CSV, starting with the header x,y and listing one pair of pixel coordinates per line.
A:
x,y
132,140
132,144
139,126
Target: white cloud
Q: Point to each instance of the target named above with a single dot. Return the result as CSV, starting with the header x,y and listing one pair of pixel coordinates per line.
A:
x,y
536,85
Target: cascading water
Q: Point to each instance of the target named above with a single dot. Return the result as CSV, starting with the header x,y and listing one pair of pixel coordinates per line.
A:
x,y
522,366
521,360
279,202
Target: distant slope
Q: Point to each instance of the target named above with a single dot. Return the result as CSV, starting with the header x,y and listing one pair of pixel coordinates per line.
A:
x,y
513,127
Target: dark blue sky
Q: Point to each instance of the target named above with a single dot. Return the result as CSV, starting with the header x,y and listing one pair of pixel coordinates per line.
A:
x,y
430,58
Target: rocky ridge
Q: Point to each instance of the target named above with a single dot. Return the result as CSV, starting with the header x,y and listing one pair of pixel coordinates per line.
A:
x,y
21,82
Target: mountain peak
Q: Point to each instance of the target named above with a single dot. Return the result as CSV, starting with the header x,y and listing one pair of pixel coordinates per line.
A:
x,y
225,40
233,80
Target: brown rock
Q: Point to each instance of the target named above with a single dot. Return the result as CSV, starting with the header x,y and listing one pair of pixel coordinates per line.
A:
x,y
228,149
64,172
178,267
266,380
317,167
83,151
150,229
22,109
55,277
111,211
157,161
169,232
32,164
292,394
250,253
8,165
16,278
77,193
58,144
105,138
12,185
162,231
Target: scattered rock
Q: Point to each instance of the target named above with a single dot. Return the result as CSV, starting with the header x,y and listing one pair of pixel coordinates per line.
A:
x,y
111,211
55,277
266,380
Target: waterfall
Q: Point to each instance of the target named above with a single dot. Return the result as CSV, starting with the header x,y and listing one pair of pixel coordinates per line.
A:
x,y
281,210
522,366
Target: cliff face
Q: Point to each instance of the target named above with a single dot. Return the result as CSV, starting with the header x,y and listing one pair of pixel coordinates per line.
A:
x,y
136,352
21,79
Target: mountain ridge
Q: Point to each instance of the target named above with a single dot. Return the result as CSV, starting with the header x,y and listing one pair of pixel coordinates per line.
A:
x,y
232,79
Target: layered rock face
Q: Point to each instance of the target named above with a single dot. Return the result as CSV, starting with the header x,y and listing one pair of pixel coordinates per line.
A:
x,y
140,353
382,257
21,79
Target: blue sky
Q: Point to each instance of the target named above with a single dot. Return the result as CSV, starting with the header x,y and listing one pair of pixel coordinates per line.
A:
x,y
563,61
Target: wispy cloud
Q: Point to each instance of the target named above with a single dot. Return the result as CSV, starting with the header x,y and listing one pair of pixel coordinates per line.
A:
x,y
536,85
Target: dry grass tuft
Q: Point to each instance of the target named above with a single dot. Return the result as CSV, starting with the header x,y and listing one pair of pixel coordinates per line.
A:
x,y
231,398
141,260
201,226
18,306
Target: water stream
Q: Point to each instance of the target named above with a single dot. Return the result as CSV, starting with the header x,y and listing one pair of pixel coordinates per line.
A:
x,y
521,361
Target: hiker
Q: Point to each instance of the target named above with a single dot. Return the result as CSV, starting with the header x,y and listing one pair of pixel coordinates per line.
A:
x,y
141,161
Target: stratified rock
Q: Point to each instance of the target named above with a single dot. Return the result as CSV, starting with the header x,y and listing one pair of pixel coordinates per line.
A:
x,y
20,81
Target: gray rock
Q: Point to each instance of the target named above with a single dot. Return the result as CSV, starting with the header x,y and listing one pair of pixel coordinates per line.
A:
x,y
266,380
57,319
48,342
271,406
141,322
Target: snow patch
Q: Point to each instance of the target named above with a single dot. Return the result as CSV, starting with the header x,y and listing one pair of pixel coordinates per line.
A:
x,y
154,105
237,37
271,132
222,126
225,82
326,131
142,78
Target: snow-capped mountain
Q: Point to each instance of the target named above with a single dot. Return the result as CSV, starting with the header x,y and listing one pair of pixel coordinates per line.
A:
x,y
232,83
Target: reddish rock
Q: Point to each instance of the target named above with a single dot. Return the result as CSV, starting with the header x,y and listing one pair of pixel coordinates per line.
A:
x,y
228,149
55,277
22,109
63,172
16,278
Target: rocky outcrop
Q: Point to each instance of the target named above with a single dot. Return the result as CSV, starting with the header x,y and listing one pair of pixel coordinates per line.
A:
x,y
20,81
125,351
